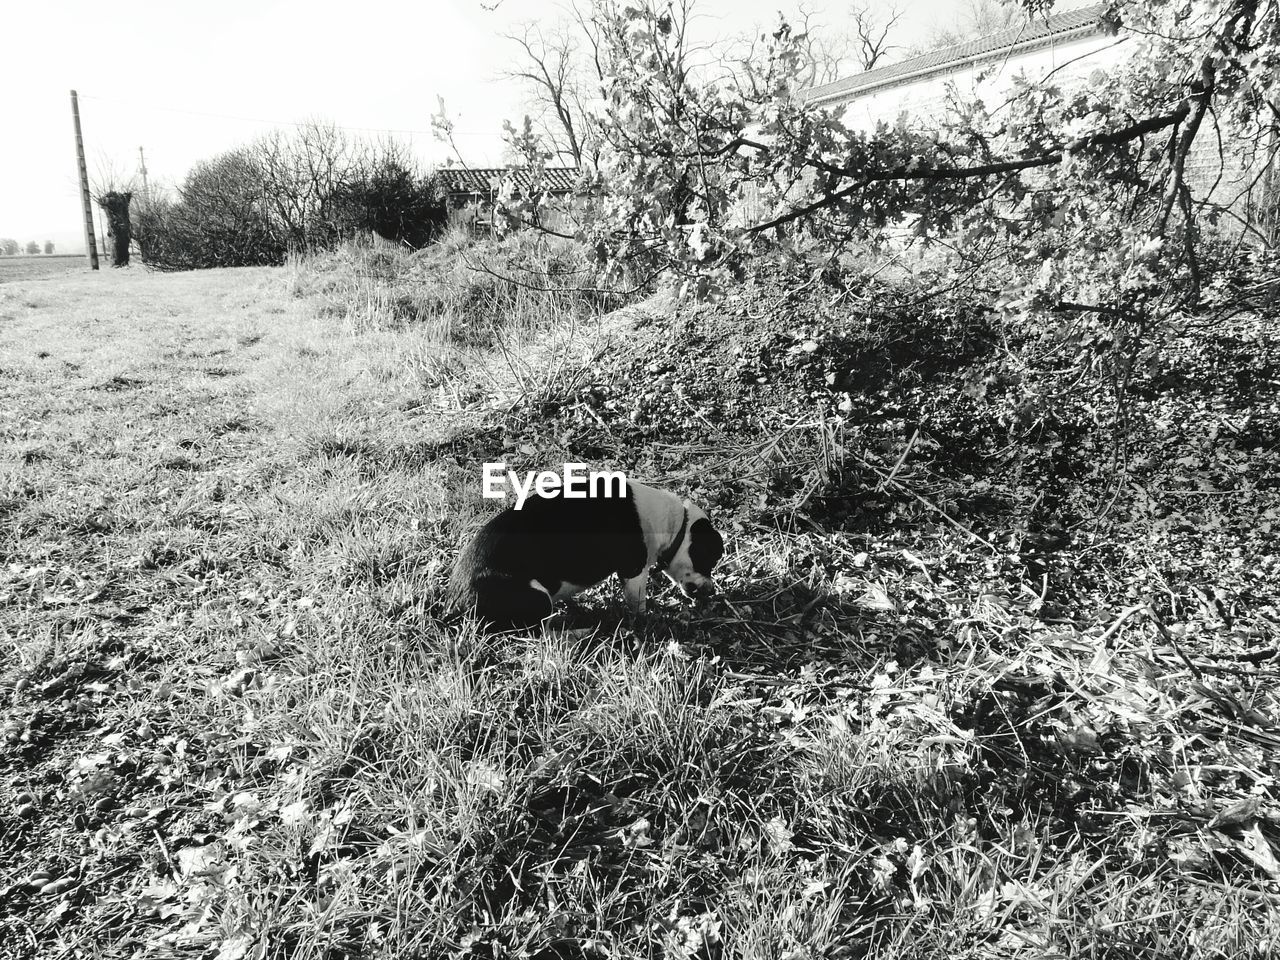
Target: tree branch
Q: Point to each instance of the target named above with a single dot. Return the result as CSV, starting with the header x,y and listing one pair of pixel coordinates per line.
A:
x,y
864,178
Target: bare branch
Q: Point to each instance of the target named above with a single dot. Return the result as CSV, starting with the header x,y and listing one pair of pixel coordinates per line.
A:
x,y
871,29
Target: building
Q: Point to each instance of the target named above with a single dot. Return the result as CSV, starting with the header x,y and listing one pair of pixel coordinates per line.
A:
x,y
477,188
1067,48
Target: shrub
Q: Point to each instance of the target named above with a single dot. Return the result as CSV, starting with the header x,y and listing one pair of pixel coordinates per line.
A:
x,y
306,192
393,201
219,219
468,292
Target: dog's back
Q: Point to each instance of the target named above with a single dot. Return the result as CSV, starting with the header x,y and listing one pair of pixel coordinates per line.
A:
x,y
510,570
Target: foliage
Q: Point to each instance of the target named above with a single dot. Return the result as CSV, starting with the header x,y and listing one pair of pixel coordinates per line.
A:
x,y
476,293
310,191
9,247
1080,193
391,200
220,219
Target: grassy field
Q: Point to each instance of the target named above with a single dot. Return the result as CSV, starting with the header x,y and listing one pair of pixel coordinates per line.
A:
x,y
235,724
35,268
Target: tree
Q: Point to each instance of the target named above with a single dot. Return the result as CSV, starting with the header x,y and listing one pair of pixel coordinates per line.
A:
x,y
1082,193
823,52
827,54
391,198
221,218
552,68
975,18
9,247
48,246
871,27
115,204
301,190
33,248
113,189
302,173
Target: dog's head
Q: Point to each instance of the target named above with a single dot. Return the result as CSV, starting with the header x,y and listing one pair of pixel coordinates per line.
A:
x,y
700,549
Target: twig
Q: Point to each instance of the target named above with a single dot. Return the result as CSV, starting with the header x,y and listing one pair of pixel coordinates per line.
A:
x,y
1125,614
902,459
923,502
1172,641
1164,632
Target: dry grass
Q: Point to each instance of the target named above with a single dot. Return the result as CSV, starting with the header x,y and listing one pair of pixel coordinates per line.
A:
x,y
235,725
463,292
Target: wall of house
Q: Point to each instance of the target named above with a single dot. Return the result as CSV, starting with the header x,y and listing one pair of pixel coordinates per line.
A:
x,y
923,100
1219,173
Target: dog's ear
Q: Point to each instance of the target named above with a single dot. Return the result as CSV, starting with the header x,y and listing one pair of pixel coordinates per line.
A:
x,y
706,546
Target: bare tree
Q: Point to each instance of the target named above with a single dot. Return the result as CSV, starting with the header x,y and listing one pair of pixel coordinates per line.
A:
x,y
863,44
975,18
303,173
552,66
823,50
871,27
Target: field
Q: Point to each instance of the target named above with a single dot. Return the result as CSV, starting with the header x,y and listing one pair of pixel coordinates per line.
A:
x,y
41,267
923,721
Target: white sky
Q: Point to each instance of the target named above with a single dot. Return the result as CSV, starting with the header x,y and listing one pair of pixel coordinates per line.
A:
x,y
188,80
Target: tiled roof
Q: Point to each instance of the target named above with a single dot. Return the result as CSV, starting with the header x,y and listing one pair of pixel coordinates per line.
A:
x,y
1068,21
485,179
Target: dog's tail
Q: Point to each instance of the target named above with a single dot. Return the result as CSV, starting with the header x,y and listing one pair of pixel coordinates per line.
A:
x,y
460,594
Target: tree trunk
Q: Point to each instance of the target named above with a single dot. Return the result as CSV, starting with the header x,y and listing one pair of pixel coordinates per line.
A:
x,y
116,205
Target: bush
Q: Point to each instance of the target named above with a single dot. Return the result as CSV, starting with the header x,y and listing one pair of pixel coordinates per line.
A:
x,y
470,293
219,219
389,199
250,207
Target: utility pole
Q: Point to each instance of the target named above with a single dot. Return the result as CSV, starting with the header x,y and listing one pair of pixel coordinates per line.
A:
x,y
90,242
142,168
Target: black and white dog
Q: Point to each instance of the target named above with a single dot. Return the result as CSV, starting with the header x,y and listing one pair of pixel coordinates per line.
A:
x,y
522,561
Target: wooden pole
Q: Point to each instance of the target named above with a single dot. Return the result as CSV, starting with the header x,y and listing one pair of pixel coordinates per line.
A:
x,y
90,241
142,166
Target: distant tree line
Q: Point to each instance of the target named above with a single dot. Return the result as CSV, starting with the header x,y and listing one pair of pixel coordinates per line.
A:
x,y
11,248
299,191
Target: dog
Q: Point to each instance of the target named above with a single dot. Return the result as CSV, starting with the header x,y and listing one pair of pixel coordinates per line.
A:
x,y
522,561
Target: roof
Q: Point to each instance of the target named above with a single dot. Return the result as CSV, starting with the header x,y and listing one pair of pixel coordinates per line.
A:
x,y
485,179
1083,20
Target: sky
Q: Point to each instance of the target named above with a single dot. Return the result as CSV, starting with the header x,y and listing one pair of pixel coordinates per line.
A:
x,y
188,80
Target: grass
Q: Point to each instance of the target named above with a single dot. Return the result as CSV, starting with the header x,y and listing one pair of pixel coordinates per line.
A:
x,y
235,724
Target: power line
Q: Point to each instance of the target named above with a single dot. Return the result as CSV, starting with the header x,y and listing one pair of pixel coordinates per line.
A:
x,y
279,123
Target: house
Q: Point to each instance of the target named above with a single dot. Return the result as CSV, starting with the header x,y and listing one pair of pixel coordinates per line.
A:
x,y
480,185
476,189
1067,48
